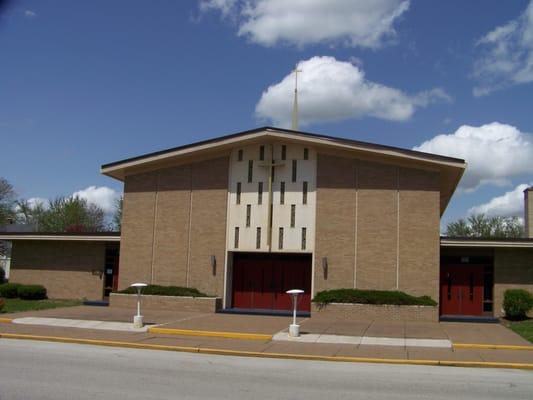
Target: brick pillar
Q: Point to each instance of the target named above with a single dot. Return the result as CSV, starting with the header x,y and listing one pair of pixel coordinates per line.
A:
x,y
528,212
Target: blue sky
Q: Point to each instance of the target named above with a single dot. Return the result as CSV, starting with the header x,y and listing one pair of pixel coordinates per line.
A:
x,y
86,83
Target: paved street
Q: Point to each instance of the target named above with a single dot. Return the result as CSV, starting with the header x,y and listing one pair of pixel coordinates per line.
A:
x,y
43,370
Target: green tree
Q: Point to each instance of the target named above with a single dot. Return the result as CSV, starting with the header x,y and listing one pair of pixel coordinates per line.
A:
x,y
481,226
63,214
7,200
117,216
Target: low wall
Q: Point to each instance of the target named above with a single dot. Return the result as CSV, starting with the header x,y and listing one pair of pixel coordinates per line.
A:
x,y
166,303
375,312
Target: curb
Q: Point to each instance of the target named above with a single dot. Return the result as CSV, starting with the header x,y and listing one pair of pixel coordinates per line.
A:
x,y
491,346
227,335
200,350
6,320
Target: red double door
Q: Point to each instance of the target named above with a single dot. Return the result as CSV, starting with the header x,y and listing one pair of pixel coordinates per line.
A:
x,y
461,290
261,280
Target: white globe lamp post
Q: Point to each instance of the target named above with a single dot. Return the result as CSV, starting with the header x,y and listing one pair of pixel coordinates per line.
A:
x,y
138,319
294,328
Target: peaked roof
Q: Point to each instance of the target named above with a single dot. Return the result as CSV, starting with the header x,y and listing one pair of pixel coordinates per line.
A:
x,y
451,169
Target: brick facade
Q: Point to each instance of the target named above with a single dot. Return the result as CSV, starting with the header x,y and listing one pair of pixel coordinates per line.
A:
x,y
174,220
378,226
513,269
68,270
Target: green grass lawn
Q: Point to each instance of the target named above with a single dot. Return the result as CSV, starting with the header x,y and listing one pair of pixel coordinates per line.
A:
x,y
523,328
18,305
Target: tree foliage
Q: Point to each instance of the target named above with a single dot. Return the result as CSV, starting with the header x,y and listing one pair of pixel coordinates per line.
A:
x,y
7,199
117,216
70,214
481,226
63,214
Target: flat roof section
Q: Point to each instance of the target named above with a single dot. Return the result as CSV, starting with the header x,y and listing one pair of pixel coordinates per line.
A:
x,y
65,236
480,242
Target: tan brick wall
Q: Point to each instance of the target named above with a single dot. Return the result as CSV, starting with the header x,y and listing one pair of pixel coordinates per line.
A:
x,y
172,226
371,312
174,220
377,228
513,269
137,231
381,195
65,269
419,244
208,225
335,216
168,303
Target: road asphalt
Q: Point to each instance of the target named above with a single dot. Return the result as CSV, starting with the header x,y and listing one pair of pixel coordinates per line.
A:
x,y
44,370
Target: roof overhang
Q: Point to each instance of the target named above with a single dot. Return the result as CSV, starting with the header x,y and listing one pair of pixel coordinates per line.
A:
x,y
486,243
61,237
450,169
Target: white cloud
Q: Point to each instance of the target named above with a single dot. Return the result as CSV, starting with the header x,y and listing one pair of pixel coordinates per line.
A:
x,y
30,13
507,57
364,23
510,204
495,152
36,201
102,196
330,90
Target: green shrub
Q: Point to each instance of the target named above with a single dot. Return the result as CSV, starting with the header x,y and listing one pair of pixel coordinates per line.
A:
x,y
166,291
32,292
9,290
517,303
2,302
2,276
371,297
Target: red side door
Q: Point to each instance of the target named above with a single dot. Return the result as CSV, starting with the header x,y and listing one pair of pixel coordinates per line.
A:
x,y
461,290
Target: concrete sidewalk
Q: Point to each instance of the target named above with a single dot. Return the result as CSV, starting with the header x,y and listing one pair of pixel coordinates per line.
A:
x,y
320,351
269,325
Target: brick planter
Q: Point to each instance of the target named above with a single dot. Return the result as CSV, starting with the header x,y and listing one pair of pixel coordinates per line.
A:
x,y
166,303
375,312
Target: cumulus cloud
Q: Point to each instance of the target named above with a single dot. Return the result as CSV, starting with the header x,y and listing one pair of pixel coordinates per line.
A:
x,y
495,152
102,196
30,13
363,23
507,55
330,90
510,204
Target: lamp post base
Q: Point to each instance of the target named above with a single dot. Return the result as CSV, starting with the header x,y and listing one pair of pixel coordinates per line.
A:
x,y
138,321
294,330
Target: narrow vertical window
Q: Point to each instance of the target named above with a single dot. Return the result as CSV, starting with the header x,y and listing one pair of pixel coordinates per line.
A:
x,y
262,153
280,239
273,173
283,152
282,193
304,238
248,214
239,188
250,170
293,215
239,155
306,154
260,193
236,244
294,170
258,239
304,193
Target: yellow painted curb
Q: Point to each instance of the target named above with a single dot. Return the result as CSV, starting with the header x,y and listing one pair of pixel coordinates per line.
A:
x,y
491,346
109,343
227,335
6,320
